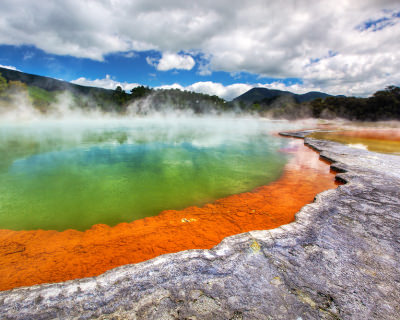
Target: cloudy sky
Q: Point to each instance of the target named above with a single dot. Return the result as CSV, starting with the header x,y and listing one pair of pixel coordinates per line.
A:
x,y
221,47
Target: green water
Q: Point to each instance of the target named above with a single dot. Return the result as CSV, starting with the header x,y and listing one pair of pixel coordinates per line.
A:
x,y
74,174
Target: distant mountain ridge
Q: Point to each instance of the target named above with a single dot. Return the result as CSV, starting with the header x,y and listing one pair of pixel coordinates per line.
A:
x,y
49,84
44,94
260,94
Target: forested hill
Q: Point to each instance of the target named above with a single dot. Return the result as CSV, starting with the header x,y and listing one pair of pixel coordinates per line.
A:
x,y
259,95
49,84
45,93
382,105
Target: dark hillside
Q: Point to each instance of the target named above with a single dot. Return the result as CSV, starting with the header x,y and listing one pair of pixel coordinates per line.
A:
x,y
50,84
43,92
257,95
309,96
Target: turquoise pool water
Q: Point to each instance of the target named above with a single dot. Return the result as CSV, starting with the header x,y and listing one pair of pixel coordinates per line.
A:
x,y
74,174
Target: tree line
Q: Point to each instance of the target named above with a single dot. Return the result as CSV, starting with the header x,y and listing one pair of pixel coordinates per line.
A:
x,y
382,105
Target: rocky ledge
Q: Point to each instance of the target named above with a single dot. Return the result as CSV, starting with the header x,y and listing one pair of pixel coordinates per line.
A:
x,y
339,260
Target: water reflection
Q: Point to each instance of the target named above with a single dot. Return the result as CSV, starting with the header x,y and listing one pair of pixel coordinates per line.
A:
x,y
63,175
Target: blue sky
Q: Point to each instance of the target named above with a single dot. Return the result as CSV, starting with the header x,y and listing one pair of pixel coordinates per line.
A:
x,y
123,67
223,48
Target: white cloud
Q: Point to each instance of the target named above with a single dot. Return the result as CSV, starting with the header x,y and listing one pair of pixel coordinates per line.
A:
x,y
152,61
9,67
170,61
130,54
107,83
227,92
214,88
171,86
276,39
208,87
204,69
28,55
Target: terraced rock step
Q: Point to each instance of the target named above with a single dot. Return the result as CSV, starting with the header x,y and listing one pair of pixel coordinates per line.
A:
x,y
339,260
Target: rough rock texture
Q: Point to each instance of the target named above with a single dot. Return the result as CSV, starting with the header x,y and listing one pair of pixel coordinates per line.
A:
x,y
339,260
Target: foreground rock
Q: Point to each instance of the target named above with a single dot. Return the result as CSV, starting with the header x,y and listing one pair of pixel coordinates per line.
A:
x,y
339,260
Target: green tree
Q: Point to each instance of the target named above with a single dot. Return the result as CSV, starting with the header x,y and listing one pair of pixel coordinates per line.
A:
x,y
120,98
139,92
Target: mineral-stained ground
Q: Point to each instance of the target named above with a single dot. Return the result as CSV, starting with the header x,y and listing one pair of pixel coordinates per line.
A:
x,y
340,259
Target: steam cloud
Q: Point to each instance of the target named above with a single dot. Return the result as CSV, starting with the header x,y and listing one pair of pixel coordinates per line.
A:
x,y
64,114
19,108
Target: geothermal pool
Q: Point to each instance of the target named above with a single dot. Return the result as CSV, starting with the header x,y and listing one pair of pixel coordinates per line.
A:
x,y
73,174
131,190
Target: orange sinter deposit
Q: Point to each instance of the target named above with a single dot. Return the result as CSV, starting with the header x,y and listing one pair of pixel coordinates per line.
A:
x,y
39,256
373,133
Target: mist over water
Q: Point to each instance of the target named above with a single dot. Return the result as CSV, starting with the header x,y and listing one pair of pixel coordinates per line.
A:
x,y
78,170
